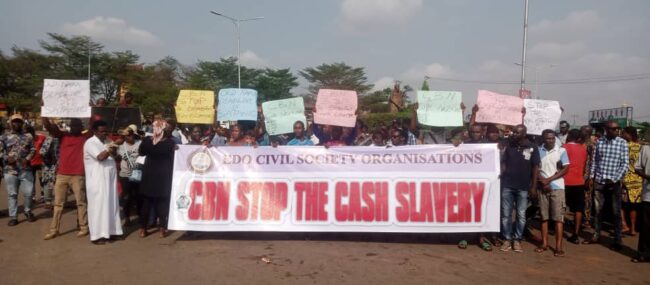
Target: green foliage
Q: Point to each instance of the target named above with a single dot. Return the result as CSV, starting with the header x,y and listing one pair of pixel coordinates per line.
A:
x,y
425,85
275,84
23,73
155,88
111,70
108,70
336,76
72,55
375,102
373,119
271,84
21,78
644,131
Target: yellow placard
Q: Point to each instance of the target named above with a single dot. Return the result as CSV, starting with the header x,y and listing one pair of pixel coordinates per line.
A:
x,y
195,107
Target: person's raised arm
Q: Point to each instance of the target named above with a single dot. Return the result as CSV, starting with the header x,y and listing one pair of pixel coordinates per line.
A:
x,y
414,117
51,128
317,132
472,117
462,110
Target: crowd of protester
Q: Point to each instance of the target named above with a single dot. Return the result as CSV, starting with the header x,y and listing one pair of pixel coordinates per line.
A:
x,y
573,171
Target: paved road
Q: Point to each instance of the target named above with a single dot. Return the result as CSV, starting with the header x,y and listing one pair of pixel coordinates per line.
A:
x,y
297,258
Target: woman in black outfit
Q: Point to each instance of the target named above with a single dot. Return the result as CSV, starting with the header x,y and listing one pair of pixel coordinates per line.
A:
x,y
157,173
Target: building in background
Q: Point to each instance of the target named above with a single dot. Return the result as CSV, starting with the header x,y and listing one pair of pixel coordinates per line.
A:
x,y
622,115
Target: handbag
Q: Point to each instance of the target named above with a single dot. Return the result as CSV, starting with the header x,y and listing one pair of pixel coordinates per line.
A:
x,y
136,173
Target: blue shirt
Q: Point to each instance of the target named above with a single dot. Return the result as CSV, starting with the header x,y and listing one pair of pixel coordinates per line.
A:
x,y
296,141
218,140
611,159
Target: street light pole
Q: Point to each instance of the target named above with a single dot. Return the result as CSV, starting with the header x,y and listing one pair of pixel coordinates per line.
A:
x,y
523,50
88,60
537,68
237,22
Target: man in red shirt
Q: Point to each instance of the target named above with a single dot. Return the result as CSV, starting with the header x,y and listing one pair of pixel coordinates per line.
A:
x,y
70,174
575,180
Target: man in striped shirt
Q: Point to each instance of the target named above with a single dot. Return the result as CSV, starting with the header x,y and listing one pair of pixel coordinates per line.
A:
x,y
609,164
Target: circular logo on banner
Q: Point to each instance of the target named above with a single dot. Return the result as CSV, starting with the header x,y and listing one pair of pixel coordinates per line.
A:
x,y
200,161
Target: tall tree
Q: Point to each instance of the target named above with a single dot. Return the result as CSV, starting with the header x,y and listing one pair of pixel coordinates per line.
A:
x,y
336,76
220,74
271,84
73,53
425,85
275,84
375,102
21,78
111,70
155,88
108,70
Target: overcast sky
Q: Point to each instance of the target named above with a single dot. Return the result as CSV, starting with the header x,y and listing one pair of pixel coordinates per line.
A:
x,y
478,40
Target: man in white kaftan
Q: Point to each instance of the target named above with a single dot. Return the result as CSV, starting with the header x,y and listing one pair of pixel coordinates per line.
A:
x,y
101,186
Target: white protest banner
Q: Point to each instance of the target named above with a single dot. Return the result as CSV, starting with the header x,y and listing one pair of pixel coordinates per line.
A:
x,y
425,188
499,109
336,107
66,98
440,108
541,115
280,115
237,104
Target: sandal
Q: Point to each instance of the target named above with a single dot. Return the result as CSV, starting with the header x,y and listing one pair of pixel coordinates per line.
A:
x,y
590,241
559,253
143,233
486,246
639,259
541,249
574,239
462,244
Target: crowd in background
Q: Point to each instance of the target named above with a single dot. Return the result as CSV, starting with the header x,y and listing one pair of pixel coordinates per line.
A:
x,y
559,174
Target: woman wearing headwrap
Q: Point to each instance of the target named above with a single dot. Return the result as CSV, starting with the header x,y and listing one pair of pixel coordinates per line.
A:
x,y
156,184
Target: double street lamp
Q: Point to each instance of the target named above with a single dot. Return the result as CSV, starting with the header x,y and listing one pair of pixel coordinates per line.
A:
x,y
237,22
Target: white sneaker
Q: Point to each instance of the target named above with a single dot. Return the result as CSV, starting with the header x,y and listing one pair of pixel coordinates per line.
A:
x,y
516,246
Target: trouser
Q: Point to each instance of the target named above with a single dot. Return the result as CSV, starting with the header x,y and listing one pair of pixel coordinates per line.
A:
x,y
613,193
23,182
161,204
48,178
78,185
644,230
130,197
513,199
35,172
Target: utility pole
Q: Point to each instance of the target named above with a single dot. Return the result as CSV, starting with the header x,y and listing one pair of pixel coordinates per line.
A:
x,y
89,59
523,50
